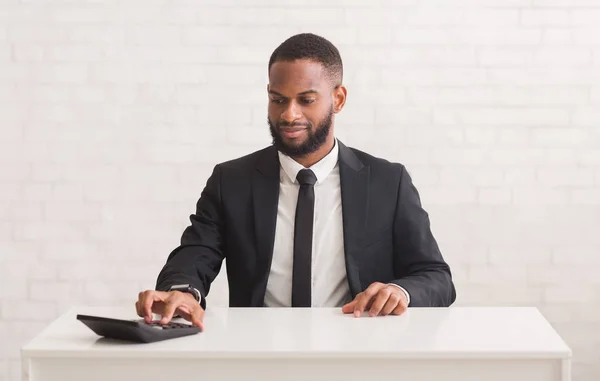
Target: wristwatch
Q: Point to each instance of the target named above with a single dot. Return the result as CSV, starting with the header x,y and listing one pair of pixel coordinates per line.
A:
x,y
187,288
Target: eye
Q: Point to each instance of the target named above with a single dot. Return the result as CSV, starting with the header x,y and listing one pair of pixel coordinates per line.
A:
x,y
277,101
307,100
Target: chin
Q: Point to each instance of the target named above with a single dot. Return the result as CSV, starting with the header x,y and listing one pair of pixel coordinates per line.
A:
x,y
293,142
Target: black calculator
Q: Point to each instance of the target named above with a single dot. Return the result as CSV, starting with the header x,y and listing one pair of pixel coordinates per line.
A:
x,y
137,330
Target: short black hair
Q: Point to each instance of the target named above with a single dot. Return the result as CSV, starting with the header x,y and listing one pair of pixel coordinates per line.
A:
x,y
311,47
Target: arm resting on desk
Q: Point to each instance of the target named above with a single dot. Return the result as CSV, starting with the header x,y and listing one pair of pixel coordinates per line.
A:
x,y
197,261
418,264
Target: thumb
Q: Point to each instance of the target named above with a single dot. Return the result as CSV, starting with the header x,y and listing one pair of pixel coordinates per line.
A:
x,y
197,316
349,308
198,323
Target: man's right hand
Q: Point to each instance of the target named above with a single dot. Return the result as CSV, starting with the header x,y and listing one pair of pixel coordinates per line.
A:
x,y
167,304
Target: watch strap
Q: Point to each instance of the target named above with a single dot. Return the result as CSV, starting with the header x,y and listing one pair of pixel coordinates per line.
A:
x,y
188,289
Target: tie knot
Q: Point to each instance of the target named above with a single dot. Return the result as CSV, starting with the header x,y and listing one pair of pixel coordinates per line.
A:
x,y
306,177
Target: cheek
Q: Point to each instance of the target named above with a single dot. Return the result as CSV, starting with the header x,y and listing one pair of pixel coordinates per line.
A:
x,y
274,116
275,111
315,117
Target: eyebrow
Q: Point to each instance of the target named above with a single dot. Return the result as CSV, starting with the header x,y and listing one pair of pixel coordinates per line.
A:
x,y
311,91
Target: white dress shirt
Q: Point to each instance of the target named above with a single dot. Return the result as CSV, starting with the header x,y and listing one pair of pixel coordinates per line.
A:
x,y
329,284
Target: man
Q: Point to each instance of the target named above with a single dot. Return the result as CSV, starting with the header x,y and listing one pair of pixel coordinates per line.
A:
x,y
306,222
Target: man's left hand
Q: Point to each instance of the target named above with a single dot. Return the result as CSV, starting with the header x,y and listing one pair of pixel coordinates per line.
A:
x,y
378,299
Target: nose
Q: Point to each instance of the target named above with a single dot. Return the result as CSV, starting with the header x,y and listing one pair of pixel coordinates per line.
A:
x,y
291,113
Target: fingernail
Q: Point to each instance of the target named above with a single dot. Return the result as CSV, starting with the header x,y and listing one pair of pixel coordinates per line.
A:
x,y
356,313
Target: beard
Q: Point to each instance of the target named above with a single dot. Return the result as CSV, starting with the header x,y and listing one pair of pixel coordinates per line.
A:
x,y
316,136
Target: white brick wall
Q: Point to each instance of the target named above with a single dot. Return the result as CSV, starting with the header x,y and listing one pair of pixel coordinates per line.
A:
x,y
113,113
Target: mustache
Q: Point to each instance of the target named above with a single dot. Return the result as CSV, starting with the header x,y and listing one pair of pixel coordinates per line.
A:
x,y
292,126
286,124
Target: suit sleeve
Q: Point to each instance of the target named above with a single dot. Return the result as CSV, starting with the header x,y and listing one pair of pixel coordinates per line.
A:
x,y
198,259
418,264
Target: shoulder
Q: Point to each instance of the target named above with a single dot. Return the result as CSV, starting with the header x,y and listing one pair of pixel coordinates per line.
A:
x,y
378,164
248,161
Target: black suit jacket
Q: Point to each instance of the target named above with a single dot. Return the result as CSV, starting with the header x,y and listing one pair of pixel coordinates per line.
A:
x,y
387,236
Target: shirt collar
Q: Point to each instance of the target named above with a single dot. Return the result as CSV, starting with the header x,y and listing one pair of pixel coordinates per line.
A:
x,y
321,169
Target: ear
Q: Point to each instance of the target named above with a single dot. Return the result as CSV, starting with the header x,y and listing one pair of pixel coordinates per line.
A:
x,y
339,98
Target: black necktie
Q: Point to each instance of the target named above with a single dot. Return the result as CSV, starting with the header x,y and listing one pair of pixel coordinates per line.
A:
x,y
303,234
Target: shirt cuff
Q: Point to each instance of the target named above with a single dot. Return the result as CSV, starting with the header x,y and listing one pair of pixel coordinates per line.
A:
x,y
200,295
405,293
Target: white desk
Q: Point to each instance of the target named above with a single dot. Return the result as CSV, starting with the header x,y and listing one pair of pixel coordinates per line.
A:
x,y
492,344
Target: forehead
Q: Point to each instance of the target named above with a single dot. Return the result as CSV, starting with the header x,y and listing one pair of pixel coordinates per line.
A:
x,y
297,75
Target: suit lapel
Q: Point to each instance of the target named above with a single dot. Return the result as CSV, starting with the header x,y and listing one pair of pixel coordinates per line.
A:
x,y
265,199
354,181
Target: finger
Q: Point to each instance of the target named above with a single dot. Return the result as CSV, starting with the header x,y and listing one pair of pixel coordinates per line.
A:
x,y
365,298
184,313
391,304
148,304
171,304
379,301
138,305
186,305
400,308
358,304
147,299
197,316
193,312
363,304
158,307
348,308
183,310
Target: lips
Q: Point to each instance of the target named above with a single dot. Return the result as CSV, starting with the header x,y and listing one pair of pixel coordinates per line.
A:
x,y
292,132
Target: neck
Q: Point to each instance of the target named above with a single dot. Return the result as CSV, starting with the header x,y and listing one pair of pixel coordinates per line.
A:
x,y
313,158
